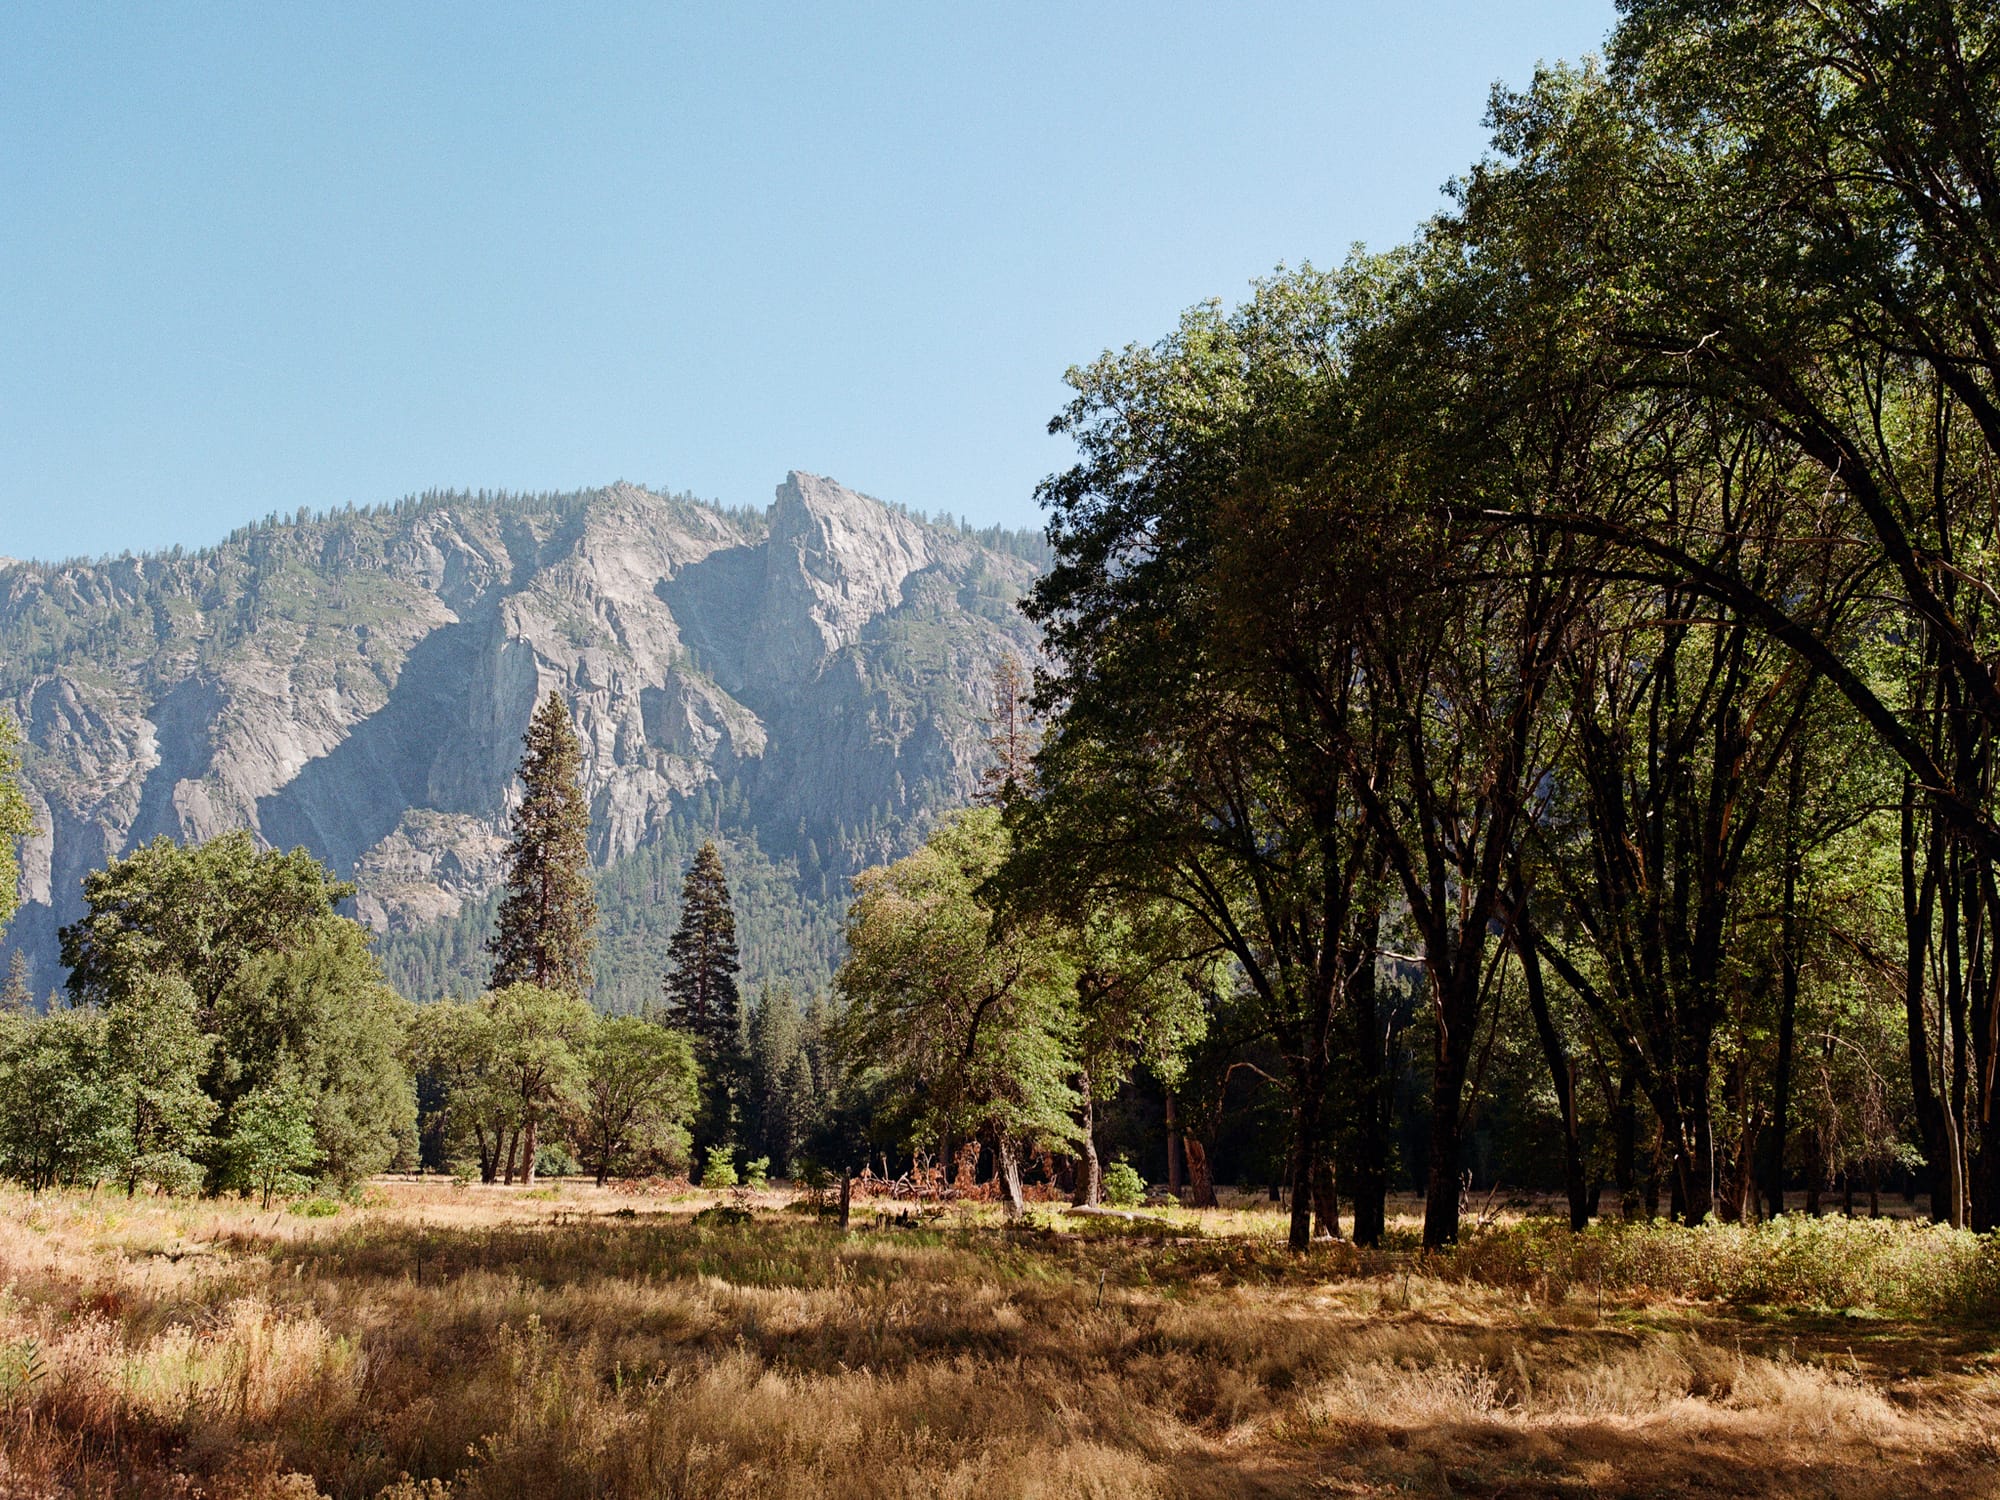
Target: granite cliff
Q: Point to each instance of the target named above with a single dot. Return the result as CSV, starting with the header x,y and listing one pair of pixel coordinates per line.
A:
x,y
808,682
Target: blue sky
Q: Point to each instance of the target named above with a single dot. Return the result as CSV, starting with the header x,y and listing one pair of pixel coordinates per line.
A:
x,y
263,257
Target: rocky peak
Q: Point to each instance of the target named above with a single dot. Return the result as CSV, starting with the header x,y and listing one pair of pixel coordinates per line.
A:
x,y
358,683
835,560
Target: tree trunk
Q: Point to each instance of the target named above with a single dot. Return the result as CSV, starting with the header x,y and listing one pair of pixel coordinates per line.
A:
x,y
1651,1191
1788,1007
846,1197
1454,1058
1007,1154
1201,1184
1694,1139
1562,1072
1815,1172
1625,1145
513,1145
1368,1173
1326,1200
528,1154
1305,1158
1310,1150
1176,1177
1919,902
1089,1190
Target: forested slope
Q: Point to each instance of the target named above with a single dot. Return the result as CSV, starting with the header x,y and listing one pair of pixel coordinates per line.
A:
x,y
803,681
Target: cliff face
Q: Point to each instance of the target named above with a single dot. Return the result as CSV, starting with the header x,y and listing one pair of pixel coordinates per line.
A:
x,y
359,684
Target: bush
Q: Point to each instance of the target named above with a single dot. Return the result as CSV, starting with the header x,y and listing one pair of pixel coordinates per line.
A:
x,y
1123,1186
552,1159
720,1171
316,1208
1888,1265
757,1173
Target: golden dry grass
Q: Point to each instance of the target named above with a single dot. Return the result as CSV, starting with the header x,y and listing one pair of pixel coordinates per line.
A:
x,y
460,1343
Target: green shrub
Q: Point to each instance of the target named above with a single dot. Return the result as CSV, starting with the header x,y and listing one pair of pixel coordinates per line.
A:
x,y
316,1208
1123,1186
552,1159
757,1173
1885,1265
720,1171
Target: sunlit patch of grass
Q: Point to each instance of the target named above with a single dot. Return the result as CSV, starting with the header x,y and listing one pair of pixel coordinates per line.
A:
x,y
437,1343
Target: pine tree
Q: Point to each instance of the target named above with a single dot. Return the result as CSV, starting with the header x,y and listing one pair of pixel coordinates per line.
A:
x,y
1010,735
774,1046
702,999
544,931
18,993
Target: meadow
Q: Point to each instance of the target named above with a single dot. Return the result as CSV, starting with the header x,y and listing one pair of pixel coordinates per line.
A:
x,y
438,1341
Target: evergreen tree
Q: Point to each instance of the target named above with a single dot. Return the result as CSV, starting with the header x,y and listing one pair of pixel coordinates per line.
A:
x,y
544,931
1010,734
17,819
774,1049
702,999
798,1114
18,993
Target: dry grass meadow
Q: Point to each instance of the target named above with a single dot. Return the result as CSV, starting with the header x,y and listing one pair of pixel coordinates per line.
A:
x,y
440,1341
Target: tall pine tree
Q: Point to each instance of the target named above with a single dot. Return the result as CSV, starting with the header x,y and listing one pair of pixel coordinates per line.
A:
x,y
1010,735
18,993
702,998
545,929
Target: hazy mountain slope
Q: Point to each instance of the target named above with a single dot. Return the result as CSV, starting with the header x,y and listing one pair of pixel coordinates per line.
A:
x,y
804,684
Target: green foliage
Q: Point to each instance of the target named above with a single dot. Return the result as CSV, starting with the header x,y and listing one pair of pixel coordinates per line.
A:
x,y
221,970
270,1143
62,1111
756,1173
702,999
719,1167
17,996
316,1208
788,912
789,1073
552,1159
1886,1265
536,1037
17,819
544,932
640,1091
461,1111
159,1055
198,911
321,1015
1123,1186
968,1025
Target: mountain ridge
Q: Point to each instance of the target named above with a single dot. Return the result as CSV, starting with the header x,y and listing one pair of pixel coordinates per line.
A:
x,y
357,682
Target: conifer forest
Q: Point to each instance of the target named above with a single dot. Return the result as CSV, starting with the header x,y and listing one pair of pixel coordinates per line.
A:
x,y
1464,957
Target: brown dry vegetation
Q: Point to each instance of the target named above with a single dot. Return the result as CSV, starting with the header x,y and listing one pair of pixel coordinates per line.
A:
x,y
452,1342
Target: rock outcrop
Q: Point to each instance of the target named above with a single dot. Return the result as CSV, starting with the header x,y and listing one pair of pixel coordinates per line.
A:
x,y
358,683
